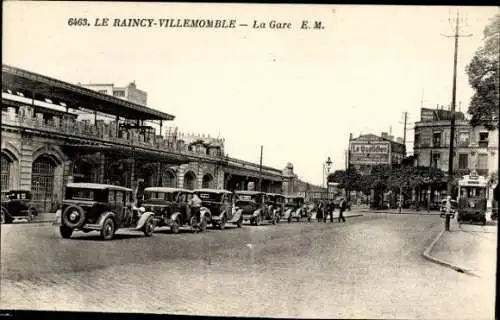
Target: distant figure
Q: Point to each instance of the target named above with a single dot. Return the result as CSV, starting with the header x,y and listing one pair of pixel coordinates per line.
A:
x,y
342,206
326,211
319,211
448,205
195,204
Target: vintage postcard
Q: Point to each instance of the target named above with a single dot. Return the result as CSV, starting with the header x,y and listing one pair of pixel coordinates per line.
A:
x,y
249,160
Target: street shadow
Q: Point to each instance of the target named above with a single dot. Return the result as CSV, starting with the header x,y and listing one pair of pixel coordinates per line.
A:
x,y
97,237
183,230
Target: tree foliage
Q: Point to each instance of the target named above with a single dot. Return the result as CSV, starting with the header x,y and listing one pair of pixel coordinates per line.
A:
x,y
483,71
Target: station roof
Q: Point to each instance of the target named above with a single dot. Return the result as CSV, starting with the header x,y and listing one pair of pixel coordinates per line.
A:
x,y
75,97
208,190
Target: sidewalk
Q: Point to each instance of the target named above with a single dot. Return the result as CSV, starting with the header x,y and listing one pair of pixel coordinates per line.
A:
x,y
471,248
396,211
40,218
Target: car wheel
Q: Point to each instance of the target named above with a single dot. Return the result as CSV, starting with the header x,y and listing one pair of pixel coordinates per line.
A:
x,y
274,220
65,232
289,219
484,222
258,220
222,223
174,227
193,222
73,216
239,223
108,229
203,224
149,227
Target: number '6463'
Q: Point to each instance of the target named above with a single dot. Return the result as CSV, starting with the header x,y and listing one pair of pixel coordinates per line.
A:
x,y
78,22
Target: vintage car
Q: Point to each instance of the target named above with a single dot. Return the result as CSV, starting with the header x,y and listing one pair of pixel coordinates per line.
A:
x,y
276,204
17,204
218,204
100,207
171,208
299,208
253,206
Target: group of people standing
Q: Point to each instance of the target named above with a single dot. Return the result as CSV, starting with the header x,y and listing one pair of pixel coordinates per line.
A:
x,y
326,208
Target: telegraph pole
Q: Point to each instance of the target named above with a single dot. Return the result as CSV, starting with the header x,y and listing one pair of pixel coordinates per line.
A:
x,y
404,133
452,109
260,169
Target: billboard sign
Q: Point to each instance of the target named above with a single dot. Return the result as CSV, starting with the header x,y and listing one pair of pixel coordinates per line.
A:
x,y
376,152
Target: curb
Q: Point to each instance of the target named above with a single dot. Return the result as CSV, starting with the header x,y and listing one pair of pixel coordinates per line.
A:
x,y
404,213
427,255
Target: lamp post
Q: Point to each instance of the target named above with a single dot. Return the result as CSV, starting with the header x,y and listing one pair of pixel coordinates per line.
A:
x,y
326,170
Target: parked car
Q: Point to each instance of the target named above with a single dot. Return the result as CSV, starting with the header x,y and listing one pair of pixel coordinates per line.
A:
x,y
218,204
17,204
101,207
276,204
171,208
253,206
294,208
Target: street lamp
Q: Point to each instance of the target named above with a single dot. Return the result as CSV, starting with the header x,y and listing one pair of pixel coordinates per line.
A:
x,y
326,169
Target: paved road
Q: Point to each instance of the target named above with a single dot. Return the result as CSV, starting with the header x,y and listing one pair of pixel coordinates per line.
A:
x,y
369,267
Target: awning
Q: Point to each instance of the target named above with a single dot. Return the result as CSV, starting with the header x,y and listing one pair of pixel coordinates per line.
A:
x,y
42,87
252,174
129,152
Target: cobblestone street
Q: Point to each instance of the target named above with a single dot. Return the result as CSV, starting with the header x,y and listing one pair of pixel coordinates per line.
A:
x,y
371,266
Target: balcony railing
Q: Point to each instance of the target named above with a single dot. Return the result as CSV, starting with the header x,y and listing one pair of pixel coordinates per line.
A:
x,y
107,132
483,144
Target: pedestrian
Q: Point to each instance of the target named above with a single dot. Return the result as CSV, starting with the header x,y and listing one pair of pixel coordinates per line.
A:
x,y
319,211
195,204
326,211
342,206
332,209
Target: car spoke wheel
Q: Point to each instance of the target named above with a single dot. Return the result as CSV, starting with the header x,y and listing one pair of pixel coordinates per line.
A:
x,y
257,220
203,225
193,222
65,232
108,229
149,227
174,227
222,224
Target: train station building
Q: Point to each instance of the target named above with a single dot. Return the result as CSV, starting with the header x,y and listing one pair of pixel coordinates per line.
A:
x,y
54,132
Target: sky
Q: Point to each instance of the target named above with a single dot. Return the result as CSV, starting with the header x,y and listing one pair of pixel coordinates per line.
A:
x,y
298,93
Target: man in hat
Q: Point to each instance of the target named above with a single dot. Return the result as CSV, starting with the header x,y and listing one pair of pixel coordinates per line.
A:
x,y
342,207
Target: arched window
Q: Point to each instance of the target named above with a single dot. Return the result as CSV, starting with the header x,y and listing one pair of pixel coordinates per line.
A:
x,y
168,179
189,180
207,181
6,163
42,180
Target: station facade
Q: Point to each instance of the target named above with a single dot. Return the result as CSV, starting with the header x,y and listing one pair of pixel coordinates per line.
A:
x,y
47,142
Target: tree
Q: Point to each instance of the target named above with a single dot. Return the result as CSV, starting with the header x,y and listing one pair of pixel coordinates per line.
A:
x,y
347,179
483,72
